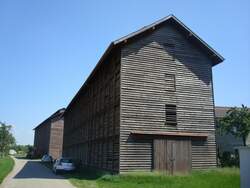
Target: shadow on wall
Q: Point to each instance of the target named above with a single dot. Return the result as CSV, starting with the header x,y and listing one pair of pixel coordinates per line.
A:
x,y
188,57
33,169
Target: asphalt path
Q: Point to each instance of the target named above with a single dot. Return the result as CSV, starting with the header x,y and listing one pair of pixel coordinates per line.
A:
x,y
32,174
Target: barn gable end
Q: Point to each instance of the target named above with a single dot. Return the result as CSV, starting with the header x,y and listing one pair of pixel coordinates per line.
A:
x,y
145,64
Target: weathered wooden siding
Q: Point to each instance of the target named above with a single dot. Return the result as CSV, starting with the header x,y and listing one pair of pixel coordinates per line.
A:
x,y
42,139
56,138
91,132
144,63
49,136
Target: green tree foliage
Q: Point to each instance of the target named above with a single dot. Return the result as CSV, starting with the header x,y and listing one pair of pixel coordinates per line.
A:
x,y
237,122
6,138
21,148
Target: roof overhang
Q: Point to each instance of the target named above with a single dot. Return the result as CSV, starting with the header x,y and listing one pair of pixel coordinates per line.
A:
x,y
215,56
172,134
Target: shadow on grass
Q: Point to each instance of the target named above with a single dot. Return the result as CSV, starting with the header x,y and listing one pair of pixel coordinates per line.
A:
x,y
92,178
86,174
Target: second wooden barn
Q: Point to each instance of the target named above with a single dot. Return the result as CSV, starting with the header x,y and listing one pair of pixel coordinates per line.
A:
x,y
148,104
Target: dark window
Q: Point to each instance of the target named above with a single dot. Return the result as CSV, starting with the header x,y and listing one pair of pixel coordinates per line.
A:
x,y
170,82
171,118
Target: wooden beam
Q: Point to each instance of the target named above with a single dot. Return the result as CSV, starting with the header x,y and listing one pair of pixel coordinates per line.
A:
x,y
181,133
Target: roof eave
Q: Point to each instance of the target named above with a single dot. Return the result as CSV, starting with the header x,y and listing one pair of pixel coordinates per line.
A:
x,y
218,58
215,56
108,50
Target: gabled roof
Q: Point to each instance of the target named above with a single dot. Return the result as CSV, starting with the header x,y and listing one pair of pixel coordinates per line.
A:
x,y
221,111
215,56
58,114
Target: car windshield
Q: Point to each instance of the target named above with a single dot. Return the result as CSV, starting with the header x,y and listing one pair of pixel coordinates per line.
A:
x,y
66,160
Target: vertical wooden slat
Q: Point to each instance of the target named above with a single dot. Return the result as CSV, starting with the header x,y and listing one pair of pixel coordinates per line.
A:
x,y
172,155
96,111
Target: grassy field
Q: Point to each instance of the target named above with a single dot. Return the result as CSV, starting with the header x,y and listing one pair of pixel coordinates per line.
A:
x,y
216,178
6,165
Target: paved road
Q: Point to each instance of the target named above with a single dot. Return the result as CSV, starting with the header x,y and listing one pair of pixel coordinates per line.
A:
x,y
32,174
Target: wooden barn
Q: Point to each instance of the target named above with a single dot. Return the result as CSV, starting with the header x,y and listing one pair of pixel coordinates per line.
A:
x,y
49,136
148,104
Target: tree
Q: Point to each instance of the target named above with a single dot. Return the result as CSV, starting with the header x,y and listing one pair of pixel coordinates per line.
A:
x,y
21,148
237,122
6,138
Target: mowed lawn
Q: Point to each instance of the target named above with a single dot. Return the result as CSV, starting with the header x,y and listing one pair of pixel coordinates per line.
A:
x,y
214,178
6,165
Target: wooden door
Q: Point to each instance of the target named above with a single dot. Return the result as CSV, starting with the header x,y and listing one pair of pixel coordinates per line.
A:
x,y
172,155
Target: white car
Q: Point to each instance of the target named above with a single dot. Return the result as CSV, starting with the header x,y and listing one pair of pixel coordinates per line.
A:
x,y
63,164
46,158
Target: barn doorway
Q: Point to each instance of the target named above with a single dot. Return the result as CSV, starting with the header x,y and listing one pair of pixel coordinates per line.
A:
x,y
173,155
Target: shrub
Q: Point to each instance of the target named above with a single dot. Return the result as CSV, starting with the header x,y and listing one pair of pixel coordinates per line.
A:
x,y
229,159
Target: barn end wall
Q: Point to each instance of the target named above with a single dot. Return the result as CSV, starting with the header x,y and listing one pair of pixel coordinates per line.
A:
x,y
144,64
56,138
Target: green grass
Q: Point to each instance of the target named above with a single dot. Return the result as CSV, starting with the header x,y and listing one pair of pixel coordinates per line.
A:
x,y
86,178
214,178
6,165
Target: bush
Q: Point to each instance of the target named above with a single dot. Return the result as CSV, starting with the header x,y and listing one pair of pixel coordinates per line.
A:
x,y
229,159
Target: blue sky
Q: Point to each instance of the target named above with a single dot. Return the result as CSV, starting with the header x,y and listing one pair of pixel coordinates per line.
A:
x,y
49,47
